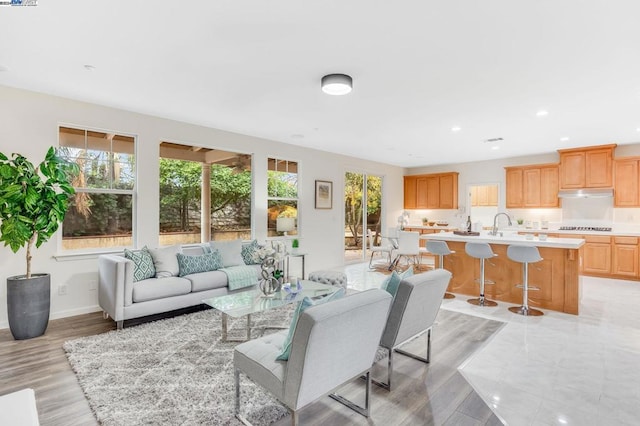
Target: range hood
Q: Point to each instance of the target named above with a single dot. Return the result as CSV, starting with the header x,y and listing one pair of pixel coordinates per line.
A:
x,y
586,193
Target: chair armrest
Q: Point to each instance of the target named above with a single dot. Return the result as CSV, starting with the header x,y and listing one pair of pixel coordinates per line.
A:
x,y
115,285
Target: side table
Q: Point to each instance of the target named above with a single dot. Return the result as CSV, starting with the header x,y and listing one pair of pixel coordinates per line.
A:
x,y
295,254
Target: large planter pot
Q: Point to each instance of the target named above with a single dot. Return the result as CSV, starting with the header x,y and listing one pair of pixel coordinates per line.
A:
x,y
28,302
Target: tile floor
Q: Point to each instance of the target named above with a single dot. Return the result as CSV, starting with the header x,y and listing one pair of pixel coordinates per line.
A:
x,y
558,369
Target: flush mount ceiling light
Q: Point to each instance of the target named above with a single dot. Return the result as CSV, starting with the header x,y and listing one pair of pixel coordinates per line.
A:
x,y
337,84
456,128
542,113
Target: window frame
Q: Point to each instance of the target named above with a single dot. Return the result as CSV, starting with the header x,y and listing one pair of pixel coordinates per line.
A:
x,y
61,251
298,234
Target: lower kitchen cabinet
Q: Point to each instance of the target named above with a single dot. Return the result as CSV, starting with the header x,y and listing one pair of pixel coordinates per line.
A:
x,y
625,256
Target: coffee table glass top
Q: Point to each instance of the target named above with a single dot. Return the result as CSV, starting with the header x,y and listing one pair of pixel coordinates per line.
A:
x,y
252,301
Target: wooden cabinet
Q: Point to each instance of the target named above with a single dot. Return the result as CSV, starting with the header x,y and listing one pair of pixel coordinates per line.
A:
x,y
586,167
549,186
484,195
514,187
626,182
597,255
532,186
434,191
410,192
625,257
448,191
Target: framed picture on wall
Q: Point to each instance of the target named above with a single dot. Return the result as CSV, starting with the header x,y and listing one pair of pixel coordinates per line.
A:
x,y
324,194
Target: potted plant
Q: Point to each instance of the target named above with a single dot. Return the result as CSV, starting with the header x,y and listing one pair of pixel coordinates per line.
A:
x,y
33,203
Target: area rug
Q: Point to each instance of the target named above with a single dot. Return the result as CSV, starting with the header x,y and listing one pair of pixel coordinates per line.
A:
x,y
171,372
177,371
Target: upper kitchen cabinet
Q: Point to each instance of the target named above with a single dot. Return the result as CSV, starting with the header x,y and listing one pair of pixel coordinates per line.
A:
x,y
626,182
410,192
433,191
532,186
586,167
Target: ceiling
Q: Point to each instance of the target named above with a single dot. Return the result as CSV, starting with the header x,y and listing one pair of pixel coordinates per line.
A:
x,y
419,68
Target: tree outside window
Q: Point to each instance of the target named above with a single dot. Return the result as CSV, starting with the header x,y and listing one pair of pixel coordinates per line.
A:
x,y
100,214
282,193
193,179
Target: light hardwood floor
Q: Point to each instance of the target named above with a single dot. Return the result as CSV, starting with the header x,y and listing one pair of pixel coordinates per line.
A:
x,y
434,394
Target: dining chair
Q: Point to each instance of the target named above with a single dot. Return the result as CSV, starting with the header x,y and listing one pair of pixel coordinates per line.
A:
x,y
382,248
408,248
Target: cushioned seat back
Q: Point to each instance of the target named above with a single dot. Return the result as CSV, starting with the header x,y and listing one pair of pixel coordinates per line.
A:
x,y
333,343
415,306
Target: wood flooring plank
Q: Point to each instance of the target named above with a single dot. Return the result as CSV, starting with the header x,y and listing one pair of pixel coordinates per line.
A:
x,y
425,394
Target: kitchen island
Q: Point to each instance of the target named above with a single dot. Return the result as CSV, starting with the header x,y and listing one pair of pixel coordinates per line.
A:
x,y
557,275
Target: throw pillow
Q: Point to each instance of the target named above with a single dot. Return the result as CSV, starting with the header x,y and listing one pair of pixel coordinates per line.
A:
x,y
142,263
391,283
201,263
165,261
306,303
249,253
231,252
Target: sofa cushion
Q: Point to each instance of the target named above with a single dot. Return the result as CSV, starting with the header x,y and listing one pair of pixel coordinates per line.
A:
x,y
193,264
231,252
159,288
165,261
207,280
142,263
250,253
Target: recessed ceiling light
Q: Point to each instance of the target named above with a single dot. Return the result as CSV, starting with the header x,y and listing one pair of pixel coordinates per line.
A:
x,y
4,68
89,67
495,147
297,136
564,139
542,113
456,128
638,129
337,84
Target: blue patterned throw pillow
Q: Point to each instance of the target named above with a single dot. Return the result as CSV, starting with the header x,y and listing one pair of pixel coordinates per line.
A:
x,y
391,283
142,263
249,253
304,304
201,263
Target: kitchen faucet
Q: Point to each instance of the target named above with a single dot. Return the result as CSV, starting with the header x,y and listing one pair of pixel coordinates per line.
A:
x,y
494,230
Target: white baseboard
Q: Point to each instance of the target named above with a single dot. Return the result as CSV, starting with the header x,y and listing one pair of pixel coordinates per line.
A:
x,y
64,314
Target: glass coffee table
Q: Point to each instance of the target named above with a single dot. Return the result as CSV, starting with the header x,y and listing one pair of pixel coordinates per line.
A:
x,y
253,301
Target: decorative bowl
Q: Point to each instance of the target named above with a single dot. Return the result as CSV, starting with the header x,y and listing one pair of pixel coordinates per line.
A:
x,y
432,222
442,223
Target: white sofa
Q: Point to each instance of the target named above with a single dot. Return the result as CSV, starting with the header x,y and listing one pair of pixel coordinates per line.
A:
x,y
123,299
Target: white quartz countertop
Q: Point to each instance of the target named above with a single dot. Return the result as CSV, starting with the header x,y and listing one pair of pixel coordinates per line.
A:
x,y
507,239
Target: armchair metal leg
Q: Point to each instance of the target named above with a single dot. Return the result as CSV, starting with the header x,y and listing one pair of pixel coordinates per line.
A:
x,y
236,379
426,360
120,325
358,409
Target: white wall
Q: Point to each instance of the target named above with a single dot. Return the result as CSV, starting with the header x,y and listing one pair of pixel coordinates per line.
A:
x,y
29,125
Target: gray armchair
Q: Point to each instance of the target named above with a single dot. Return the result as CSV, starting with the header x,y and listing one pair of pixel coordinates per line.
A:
x,y
333,343
413,312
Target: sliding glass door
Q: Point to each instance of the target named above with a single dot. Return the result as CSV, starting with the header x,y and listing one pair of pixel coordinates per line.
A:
x,y
362,212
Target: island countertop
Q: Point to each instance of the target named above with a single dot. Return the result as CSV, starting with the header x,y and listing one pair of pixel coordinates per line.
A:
x,y
508,238
556,276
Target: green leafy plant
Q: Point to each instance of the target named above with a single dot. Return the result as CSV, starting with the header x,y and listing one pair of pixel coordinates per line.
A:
x,y
294,243
33,200
520,221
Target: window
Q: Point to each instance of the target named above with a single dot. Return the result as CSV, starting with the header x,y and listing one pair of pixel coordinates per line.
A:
x,y
194,180
282,197
100,214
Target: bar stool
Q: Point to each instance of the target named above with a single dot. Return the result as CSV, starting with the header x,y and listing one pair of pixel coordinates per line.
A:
x,y
441,249
481,251
524,255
